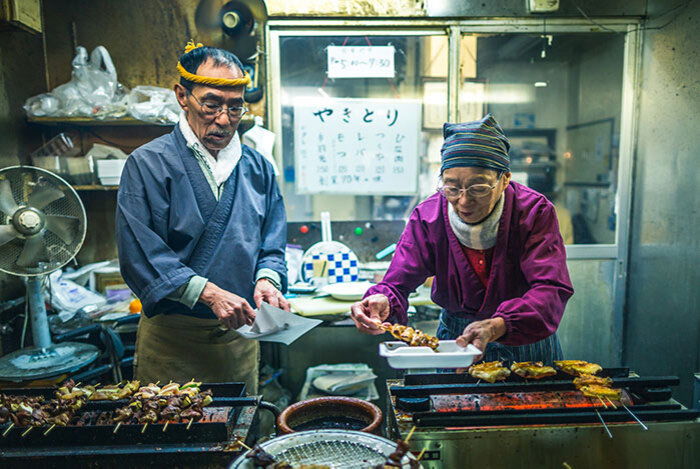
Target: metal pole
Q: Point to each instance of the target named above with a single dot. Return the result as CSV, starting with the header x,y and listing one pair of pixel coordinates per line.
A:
x,y
37,311
454,74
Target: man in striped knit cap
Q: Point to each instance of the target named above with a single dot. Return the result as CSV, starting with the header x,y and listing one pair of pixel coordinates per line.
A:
x,y
494,248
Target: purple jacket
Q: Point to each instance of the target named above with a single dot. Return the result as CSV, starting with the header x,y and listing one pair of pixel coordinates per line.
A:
x,y
528,283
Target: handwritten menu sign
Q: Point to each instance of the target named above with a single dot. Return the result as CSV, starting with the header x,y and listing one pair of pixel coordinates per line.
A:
x,y
361,61
357,146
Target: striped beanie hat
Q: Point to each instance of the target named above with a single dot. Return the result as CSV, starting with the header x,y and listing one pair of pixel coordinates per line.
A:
x,y
480,143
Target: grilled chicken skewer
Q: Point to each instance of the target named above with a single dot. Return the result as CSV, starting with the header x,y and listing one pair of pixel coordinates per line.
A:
x,y
413,337
489,371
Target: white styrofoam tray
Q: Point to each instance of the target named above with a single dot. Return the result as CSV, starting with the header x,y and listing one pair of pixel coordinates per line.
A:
x,y
449,355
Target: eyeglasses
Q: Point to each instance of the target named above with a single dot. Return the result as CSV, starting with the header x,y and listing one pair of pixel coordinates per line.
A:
x,y
475,190
212,110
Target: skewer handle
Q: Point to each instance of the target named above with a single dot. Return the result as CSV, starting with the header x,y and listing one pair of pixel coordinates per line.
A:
x,y
49,430
635,417
603,422
410,434
7,430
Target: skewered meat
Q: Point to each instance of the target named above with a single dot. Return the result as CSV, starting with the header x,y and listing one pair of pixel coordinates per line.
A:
x,y
577,367
413,337
123,414
394,459
147,392
489,371
586,380
36,411
260,457
114,392
170,389
158,408
596,390
534,370
191,388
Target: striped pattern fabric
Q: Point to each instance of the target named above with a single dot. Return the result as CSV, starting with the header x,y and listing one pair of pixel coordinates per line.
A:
x,y
546,350
480,143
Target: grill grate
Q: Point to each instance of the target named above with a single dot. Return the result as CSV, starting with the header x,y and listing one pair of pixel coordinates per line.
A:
x,y
343,454
339,449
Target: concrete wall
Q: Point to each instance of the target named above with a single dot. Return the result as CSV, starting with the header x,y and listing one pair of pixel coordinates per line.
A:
x,y
663,307
21,76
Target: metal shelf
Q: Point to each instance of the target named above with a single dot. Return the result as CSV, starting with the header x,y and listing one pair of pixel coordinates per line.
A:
x,y
88,122
94,187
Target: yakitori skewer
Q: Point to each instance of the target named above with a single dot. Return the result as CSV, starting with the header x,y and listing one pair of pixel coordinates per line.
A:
x,y
7,430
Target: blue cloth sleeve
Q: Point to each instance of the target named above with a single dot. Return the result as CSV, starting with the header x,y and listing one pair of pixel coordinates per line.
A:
x,y
148,265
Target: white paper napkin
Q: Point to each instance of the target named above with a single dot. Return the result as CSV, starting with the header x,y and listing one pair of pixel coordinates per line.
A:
x,y
276,325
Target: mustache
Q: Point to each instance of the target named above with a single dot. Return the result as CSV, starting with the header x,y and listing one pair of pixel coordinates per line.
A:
x,y
220,133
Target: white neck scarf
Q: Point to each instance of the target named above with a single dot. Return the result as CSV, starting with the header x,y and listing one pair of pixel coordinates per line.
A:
x,y
479,235
227,159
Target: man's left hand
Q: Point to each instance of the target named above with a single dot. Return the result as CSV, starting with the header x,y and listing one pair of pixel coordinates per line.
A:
x,y
266,292
480,333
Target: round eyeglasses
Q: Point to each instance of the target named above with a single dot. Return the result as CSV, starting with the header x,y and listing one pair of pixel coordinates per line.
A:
x,y
212,110
475,190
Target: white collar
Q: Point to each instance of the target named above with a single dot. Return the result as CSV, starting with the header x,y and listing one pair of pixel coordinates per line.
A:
x,y
227,159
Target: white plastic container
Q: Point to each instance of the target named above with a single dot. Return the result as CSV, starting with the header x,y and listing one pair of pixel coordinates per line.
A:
x,y
449,355
110,171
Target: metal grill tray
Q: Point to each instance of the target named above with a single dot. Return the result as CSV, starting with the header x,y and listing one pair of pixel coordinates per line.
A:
x,y
335,448
220,391
227,401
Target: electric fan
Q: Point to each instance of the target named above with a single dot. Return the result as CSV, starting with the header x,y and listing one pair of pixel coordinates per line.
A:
x,y
42,227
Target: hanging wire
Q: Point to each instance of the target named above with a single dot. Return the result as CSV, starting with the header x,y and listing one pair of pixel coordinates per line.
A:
x,y
680,9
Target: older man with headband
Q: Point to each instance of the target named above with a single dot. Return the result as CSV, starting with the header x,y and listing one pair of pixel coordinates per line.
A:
x,y
201,230
494,248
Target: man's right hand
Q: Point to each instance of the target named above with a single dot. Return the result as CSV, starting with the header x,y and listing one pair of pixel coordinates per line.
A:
x,y
370,313
232,310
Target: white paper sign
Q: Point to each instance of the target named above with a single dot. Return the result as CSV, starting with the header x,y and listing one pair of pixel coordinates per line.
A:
x,y
356,146
361,61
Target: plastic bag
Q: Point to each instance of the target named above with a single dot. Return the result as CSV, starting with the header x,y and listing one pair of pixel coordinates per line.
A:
x,y
67,297
154,104
92,91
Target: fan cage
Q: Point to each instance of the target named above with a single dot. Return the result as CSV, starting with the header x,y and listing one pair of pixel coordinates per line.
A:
x,y
55,253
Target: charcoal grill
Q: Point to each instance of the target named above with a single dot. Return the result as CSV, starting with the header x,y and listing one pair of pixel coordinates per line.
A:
x,y
339,449
542,423
84,442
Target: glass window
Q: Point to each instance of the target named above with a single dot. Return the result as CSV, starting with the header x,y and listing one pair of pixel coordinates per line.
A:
x,y
361,122
558,97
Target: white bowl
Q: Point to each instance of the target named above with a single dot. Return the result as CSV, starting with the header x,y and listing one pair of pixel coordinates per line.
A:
x,y
347,291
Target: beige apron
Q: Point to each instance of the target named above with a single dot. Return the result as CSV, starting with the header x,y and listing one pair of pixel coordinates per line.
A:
x,y
178,348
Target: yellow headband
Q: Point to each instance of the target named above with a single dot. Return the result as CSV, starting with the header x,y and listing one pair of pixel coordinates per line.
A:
x,y
208,80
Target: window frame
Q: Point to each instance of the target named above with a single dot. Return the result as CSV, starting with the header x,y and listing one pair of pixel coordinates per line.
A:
x,y
454,30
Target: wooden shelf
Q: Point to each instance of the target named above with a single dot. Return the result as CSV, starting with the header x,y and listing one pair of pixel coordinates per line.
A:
x,y
88,122
95,187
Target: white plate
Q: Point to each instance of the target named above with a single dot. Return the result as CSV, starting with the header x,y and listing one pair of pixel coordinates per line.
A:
x,y
347,291
449,355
